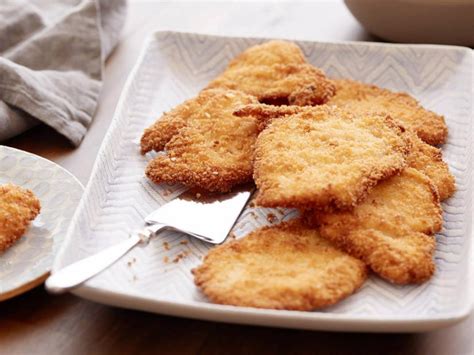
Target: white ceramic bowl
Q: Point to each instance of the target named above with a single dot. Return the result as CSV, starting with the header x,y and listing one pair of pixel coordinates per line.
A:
x,y
417,21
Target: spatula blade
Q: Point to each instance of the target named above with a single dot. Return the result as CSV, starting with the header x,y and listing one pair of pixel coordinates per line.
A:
x,y
205,216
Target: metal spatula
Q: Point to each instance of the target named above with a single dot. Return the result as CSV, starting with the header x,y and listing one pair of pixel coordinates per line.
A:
x,y
207,217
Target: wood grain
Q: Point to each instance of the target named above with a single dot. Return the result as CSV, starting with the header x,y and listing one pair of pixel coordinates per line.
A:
x,y
38,323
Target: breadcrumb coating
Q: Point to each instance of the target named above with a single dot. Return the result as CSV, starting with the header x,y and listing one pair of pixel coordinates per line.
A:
x,y
18,207
429,160
264,114
270,53
276,72
213,150
323,157
392,229
209,104
357,96
286,266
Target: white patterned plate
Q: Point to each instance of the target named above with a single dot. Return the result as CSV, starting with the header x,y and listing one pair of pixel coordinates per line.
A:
x,y
27,263
175,66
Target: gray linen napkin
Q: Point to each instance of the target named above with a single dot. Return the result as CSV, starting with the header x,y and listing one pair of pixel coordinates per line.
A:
x,y
51,62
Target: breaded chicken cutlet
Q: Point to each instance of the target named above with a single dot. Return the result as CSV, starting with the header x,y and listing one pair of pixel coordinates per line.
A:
x,y
361,97
287,266
276,72
429,161
18,207
208,105
205,145
392,230
323,157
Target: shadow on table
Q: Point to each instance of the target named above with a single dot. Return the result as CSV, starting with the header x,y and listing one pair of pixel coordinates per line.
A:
x,y
41,140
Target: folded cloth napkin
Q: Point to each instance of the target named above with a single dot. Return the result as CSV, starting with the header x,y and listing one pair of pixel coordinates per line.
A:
x,y
51,62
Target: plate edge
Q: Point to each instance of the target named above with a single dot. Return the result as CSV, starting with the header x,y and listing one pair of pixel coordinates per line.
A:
x,y
251,316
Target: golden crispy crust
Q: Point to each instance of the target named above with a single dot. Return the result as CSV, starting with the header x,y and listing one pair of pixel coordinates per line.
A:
x,y
208,104
392,230
269,53
429,160
276,72
324,157
357,96
157,135
288,266
213,150
265,114
18,207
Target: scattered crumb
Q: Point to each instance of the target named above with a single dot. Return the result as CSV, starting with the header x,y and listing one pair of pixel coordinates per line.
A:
x,y
232,236
184,242
271,218
180,256
252,204
131,262
166,245
166,259
166,193
253,214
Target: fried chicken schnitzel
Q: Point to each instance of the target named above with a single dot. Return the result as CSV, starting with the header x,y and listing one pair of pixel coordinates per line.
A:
x,y
287,266
392,229
323,157
18,207
429,160
276,72
208,105
211,149
360,97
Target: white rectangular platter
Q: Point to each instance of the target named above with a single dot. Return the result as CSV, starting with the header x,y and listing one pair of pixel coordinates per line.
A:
x,y
175,66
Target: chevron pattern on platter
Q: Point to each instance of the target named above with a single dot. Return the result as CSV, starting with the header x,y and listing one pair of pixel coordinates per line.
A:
x,y
174,67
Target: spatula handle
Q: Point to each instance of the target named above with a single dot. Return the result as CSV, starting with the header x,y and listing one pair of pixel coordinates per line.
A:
x,y
76,273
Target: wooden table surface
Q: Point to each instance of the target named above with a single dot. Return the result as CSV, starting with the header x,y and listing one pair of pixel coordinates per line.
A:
x,y
38,323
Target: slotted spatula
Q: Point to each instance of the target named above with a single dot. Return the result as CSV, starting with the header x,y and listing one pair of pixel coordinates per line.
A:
x,y
207,217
